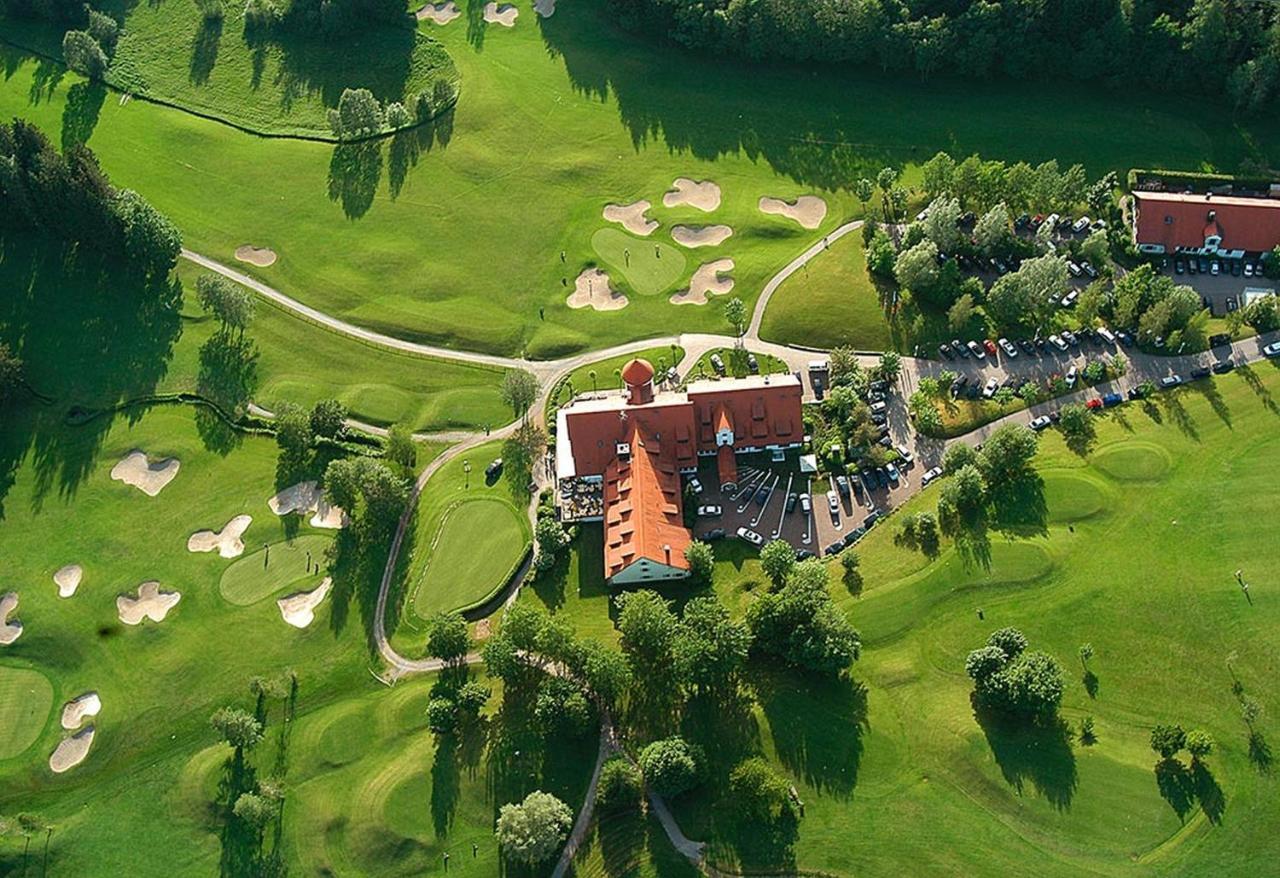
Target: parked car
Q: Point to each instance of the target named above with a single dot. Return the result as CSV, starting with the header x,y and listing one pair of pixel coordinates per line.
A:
x,y
1057,342
1214,268
1193,266
804,555
1200,372
710,510
695,485
1107,335
833,503
1179,267
905,453
1272,350
1222,367
1027,345
495,466
1039,423
1070,338
870,521
1170,381
930,475
806,505
960,348
1248,269
989,390
753,365
842,485
716,533
1073,268
717,363
957,385
1008,347
833,549
762,495
1071,376
1111,399
1069,300
1125,339
1081,224
892,472
746,534
989,346
977,350
791,502
945,350
1094,404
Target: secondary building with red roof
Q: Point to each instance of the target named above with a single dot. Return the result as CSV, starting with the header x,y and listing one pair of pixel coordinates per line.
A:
x,y
1209,224
625,452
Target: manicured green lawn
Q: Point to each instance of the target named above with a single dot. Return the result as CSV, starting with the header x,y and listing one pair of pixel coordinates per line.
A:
x,y
649,267
280,570
830,303
283,85
26,696
469,534
455,233
472,555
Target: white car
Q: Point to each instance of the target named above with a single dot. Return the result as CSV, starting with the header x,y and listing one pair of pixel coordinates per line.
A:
x,y
711,510
977,350
833,503
1069,300
905,453
1272,350
1057,342
1072,374
746,534
1040,423
930,475
696,485
1081,224
1170,381
989,390
806,505
1008,347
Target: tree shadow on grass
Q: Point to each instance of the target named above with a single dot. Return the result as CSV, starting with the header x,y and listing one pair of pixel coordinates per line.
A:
x,y
354,172
228,373
1251,377
204,50
240,842
1207,792
1259,752
1090,681
1034,754
1019,506
818,724
80,113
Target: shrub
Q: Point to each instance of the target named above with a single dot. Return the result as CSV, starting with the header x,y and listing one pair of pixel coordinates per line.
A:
x,y
104,29
358,113
621,785
532,831
442,714
398,116
671,765
759,791
83,54
1167,739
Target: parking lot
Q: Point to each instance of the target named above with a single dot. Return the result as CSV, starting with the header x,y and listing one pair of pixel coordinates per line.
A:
x,y
761,503
1222,292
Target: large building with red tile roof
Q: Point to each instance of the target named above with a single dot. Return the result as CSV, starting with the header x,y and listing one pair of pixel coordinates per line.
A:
x,y
620,457
1168,222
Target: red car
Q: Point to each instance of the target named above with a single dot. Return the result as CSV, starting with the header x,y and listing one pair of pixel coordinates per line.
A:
x,y
990,346
1094,404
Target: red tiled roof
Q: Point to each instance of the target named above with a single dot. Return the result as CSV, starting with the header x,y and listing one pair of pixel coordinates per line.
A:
x,y
643,514
637,372
727,465
1180,220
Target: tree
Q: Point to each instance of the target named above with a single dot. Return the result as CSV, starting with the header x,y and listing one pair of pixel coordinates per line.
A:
x,y
844,366
371,493
957,456
735,311
701,561
230,303
1074,421
1006,454
1263,314
942,223
606,671
917,268
1086,653
447,637
104,30
621,785
532,831
648,628
671,765
1167,739
777,558
562,706
328,418
1010,641
11,373
864,191
881,255
358,114
962,500
937,175
850,564
1022,298
238,727
710,648
255,810
890,366
293,430
758,791
960,313
471,697
551,539
1199,744
992,231
1032,685
800,624
519,391
398,116
83,54
401,449
151,241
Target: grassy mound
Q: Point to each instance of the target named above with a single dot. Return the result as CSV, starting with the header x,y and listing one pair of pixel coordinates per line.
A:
x,y
282,569
645,266
26,695
479,543
1133,461
1071,496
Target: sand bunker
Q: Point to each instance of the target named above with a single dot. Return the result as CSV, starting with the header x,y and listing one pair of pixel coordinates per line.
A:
x,y
259,256
700,236
440,13
67,579
504,15
308,497
299,609
632,217
702,194
149,478
9,631
151,603
72,751
807,210
706,280
227,541
545,8
75,710
593,290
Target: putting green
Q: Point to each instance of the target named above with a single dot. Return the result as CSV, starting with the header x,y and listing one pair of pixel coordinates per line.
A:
x,y
282,569
479,543
1133,461
1072,497
649,267
25,698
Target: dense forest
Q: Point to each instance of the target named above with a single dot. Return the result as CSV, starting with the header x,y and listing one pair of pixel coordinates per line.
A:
x,y
1205,46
